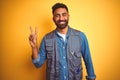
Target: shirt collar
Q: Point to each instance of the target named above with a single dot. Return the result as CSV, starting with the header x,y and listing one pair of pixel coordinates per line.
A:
x,y
67,35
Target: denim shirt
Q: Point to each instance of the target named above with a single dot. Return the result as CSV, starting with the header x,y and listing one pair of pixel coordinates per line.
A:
x,y
61,44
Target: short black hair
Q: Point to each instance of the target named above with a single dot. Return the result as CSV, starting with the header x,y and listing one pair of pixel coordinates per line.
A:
x,y
59,5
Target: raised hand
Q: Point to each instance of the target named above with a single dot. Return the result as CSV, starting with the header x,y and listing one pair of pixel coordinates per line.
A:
x,y
33,37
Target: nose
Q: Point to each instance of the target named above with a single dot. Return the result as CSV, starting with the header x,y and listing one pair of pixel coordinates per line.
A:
x,y
61,17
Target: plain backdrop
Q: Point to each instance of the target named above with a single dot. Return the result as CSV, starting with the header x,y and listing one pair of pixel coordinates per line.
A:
x,y
98,19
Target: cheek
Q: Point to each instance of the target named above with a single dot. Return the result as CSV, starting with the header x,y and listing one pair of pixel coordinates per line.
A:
x,y
55,19
67,18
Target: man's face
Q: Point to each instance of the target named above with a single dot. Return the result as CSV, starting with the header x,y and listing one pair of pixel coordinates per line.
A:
x,y
61,18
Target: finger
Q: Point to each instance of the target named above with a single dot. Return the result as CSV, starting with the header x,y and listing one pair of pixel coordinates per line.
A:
x,y
31,38
32,32
31,43
36,30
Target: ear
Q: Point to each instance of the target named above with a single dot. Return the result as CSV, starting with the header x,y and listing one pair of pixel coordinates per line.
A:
x,y
53,19
68,15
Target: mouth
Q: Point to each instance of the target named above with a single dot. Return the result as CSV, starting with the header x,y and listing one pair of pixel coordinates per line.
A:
x,y
62,22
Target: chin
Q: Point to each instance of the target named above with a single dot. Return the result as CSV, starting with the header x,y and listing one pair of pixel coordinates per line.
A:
x,y
62,26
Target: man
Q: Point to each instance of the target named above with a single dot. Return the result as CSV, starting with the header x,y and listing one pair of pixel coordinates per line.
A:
x,y
62,49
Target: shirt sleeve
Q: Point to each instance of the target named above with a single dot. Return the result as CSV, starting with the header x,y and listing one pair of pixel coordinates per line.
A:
x,y
87,56
41,55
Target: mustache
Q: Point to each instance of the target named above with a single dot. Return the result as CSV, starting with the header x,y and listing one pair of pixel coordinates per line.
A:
x,y
61,21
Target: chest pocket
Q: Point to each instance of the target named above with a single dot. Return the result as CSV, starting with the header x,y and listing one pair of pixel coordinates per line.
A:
x,y
75,58
74,50
49,48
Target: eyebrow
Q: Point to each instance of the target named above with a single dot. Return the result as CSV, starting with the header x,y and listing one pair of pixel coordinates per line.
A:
x,y
62,13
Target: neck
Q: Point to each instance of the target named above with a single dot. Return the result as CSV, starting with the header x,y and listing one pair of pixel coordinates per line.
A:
x,y
63,31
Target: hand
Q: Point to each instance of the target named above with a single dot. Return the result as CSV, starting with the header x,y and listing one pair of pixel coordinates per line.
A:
x,y
33,37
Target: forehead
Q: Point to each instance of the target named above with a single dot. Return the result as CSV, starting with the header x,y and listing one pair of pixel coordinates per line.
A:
x,y
60,11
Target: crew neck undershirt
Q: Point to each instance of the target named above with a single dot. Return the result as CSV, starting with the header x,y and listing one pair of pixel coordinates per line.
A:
x,y
62,35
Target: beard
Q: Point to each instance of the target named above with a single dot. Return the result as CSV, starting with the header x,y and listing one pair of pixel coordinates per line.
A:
x,y
61,25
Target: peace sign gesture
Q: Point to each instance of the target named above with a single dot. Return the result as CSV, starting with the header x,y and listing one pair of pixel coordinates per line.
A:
x,y
33,37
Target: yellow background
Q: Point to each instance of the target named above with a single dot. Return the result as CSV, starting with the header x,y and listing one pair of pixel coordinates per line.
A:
x,y
98,19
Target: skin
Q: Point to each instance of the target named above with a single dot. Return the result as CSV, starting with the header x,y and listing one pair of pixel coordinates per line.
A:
x,y
60,18
33,42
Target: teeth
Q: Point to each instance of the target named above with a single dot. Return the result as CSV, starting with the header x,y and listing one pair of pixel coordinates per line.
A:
x,y
62,22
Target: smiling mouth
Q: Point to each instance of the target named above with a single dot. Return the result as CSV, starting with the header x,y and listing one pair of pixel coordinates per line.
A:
x,y
62,22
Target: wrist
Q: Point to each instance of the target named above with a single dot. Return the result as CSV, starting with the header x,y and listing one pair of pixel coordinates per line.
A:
x,y
35,52
34,47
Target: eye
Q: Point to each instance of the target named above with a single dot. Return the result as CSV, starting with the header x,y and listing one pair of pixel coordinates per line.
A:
x,y
64,14
57,15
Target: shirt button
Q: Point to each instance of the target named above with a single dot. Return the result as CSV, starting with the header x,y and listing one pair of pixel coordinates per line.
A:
x,y
64,67
63,57
64,77
63,47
